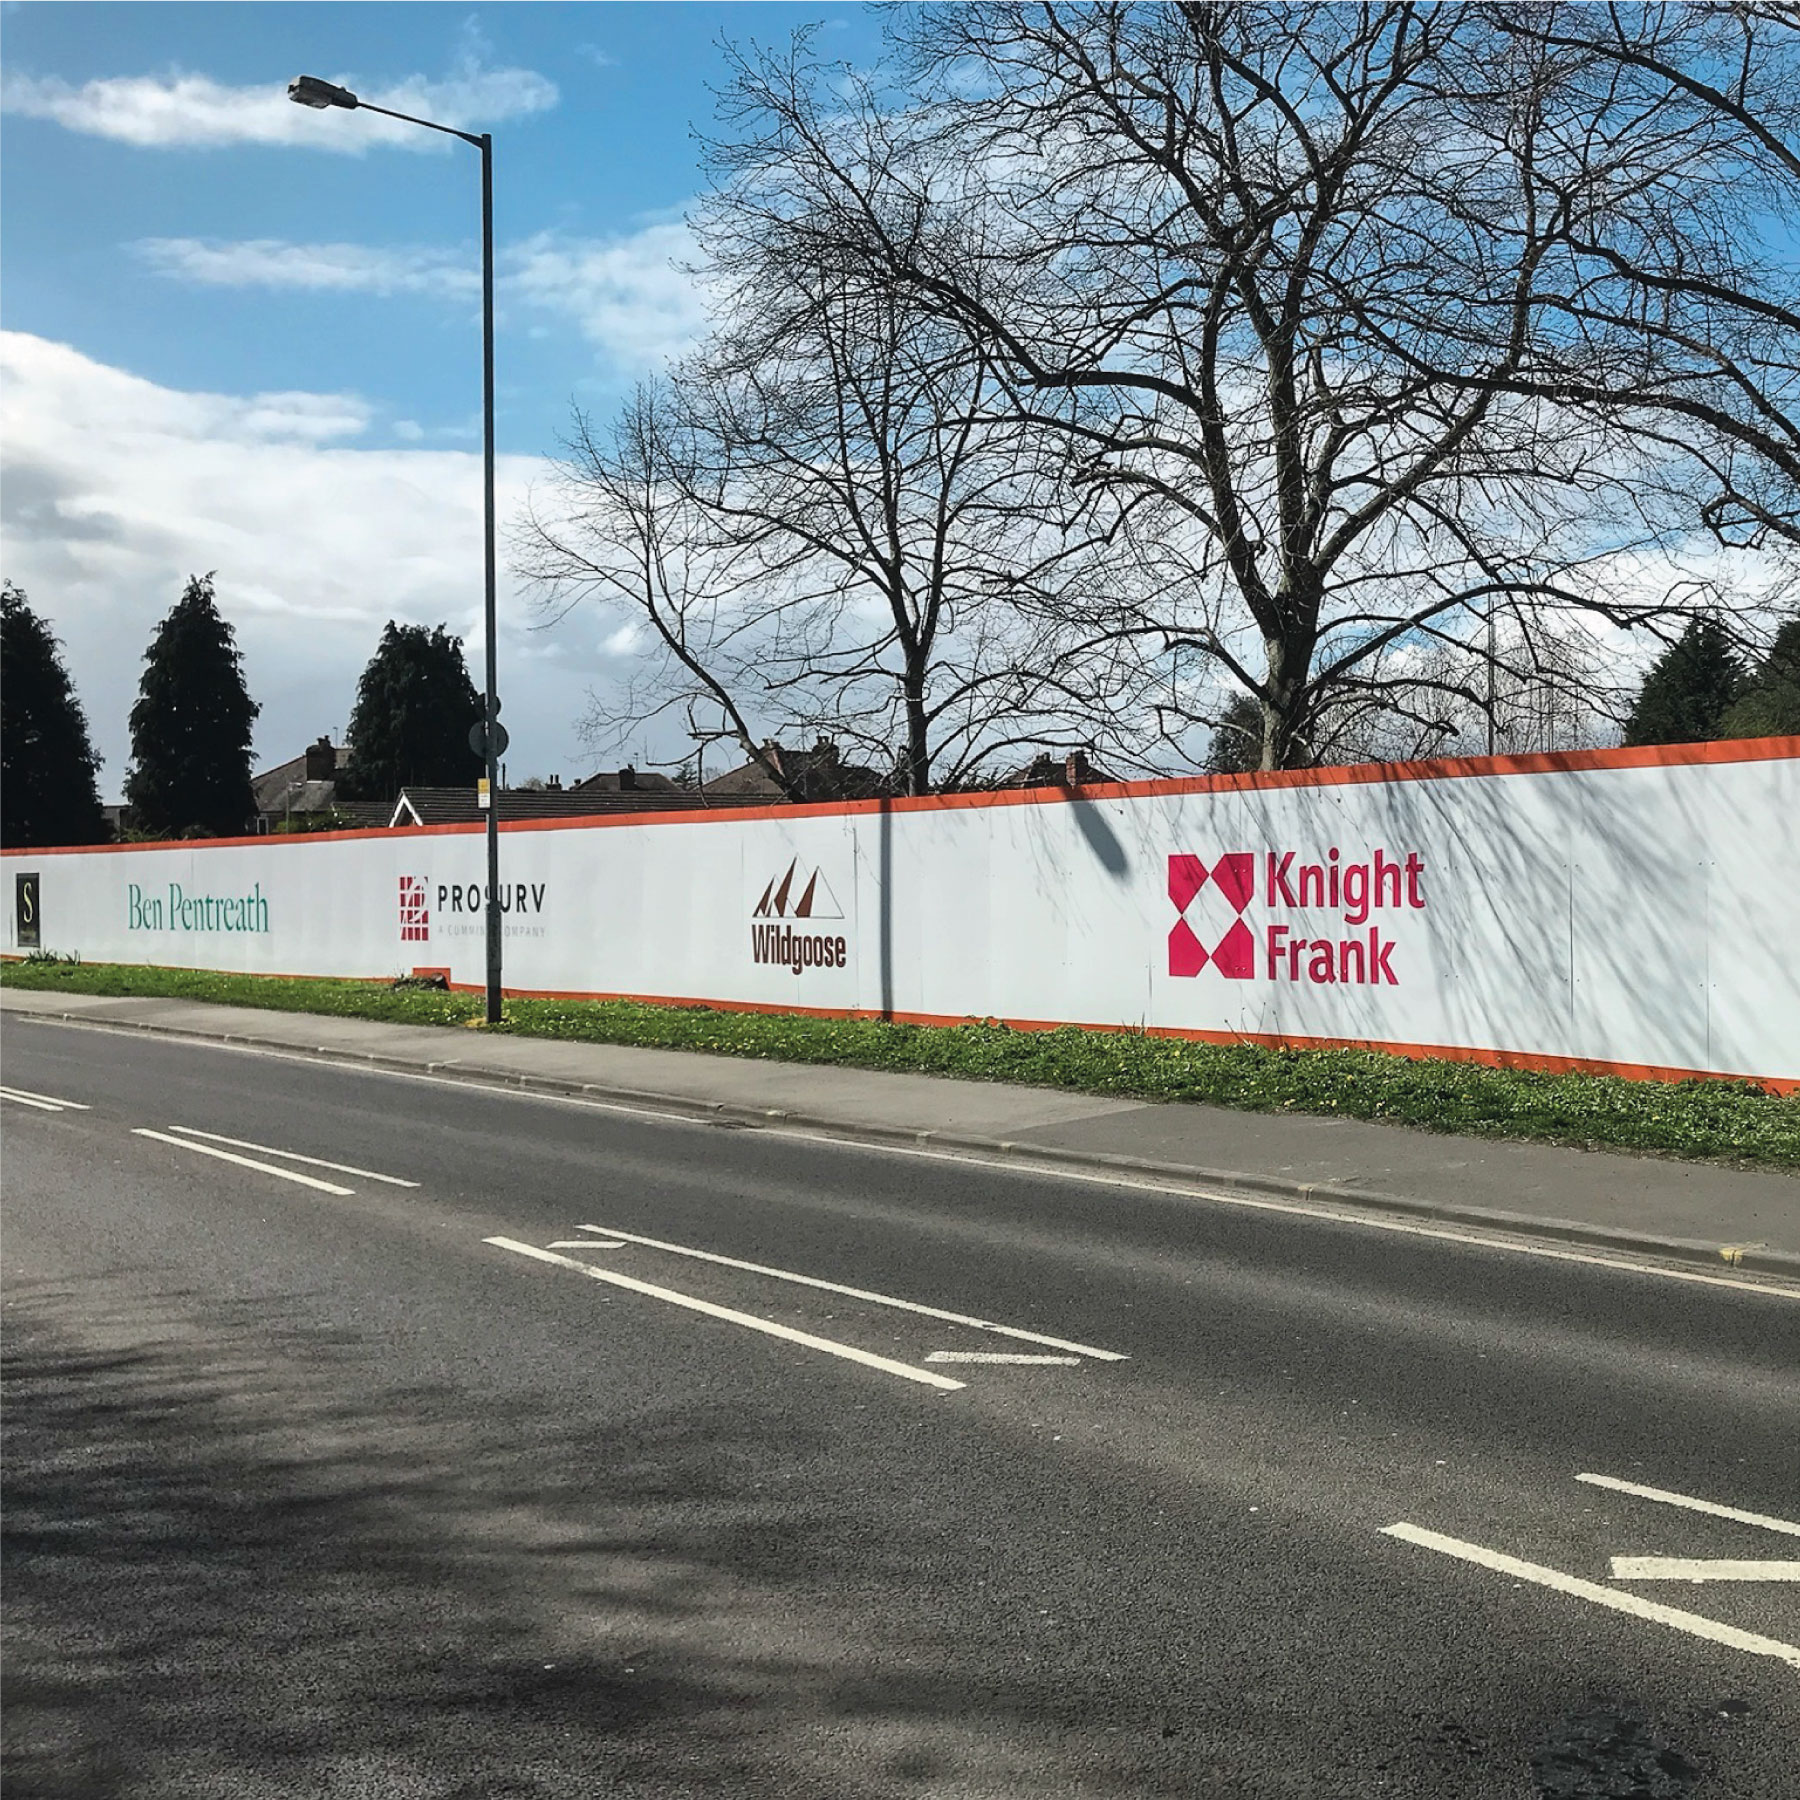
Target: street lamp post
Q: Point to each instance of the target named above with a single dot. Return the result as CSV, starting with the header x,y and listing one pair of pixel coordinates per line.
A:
x,y
308,90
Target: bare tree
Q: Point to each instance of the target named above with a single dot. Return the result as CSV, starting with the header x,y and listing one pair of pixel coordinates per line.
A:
x,y
1397,336
827,524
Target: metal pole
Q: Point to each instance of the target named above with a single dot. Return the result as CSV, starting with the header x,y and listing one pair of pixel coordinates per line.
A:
x,y
487,475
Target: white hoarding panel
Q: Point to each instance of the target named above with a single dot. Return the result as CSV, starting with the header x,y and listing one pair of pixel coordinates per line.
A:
x,y
1634,909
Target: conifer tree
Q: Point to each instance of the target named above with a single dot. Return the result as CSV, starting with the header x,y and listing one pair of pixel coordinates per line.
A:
x,y
1687,690
190,728
415,704
47,764
1236,747
1770,706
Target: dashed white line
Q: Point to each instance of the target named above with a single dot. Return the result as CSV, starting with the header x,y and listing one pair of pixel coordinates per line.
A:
x,y
1001,1356
316,1162
43,1102
836,1287
1654,1611
243,1162
1712,1507
830,1346
1506,1240
584,1244
1697,1568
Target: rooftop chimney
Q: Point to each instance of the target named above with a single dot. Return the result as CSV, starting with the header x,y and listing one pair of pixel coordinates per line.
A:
x,y
627,779
321,761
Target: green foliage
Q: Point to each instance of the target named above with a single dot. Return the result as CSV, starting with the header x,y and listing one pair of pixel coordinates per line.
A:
x,y
1687,690
1727,1121
190,728
1770,706
1237,739
414,706
47,764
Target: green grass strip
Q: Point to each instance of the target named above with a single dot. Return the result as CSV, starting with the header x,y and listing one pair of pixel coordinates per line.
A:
x,y
1725,1121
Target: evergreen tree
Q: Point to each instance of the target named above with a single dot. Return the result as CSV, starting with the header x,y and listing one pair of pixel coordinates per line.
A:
x,y
190,728
47,764
1684,697
414,706
1770,706
1237,739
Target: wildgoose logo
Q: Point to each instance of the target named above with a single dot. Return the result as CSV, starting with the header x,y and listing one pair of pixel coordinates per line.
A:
x,y
782,944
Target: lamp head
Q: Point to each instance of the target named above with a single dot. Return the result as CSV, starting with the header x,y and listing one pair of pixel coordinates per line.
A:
x,y
309,90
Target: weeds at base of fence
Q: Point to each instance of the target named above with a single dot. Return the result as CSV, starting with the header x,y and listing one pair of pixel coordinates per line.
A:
x,y
1702,1119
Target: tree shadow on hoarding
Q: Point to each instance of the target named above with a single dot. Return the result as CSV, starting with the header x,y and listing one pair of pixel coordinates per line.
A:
x,y
1569,914
1099,836
240,1561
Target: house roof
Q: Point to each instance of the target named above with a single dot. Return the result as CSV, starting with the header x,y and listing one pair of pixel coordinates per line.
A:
x,y
613,781
280,789
818,774
461,805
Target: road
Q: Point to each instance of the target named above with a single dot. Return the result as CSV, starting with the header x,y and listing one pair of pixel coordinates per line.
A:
x,y
517,1481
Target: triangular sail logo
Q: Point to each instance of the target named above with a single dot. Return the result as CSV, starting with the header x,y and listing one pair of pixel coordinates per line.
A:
x,y
813,900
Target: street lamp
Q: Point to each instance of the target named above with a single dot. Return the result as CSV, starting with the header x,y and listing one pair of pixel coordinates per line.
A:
x,y
309,90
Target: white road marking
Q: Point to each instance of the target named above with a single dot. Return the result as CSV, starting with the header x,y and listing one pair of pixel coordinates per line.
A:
x,y
316,1162
830,1346
243,1162
27,1100
1698,1568
1687,1500
583,1244
835,1287
1001,1356
19,1093
1496,1238
1690,1623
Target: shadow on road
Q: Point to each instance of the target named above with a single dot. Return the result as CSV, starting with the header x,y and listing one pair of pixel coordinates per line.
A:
x,y
235,1566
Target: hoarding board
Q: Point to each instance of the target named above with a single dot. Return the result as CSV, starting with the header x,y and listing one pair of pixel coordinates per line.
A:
x,y
1628,909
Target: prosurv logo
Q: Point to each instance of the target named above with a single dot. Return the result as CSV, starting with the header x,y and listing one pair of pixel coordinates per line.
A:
x,y
1330,934
461,908
806,897
415,910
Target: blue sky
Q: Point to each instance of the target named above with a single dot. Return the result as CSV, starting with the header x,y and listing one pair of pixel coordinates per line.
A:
x,y
243,336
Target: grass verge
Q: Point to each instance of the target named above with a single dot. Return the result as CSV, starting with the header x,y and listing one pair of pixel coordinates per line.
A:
x,y
1724,1121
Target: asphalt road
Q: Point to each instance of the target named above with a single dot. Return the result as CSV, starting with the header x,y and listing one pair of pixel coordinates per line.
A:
x,y
328,1493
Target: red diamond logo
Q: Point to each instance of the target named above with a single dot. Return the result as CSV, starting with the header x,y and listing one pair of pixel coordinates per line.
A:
x,y
1187,956
1236,877
1187,876
1236,955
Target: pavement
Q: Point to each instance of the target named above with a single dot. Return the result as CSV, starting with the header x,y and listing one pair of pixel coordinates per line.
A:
x,y
1689,1212
377,1438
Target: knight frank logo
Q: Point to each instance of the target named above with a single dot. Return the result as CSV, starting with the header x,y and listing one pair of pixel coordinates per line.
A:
x,y
1294,949
791,895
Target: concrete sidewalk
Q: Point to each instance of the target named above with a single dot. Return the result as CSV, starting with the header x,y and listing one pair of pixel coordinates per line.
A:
x,y
1683,1210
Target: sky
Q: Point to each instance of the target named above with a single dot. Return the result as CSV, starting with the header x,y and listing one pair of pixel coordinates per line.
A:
x,y
242,336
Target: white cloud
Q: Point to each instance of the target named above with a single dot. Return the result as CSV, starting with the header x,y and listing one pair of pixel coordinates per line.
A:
x,y
316,268
116,489
189,111
628,295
